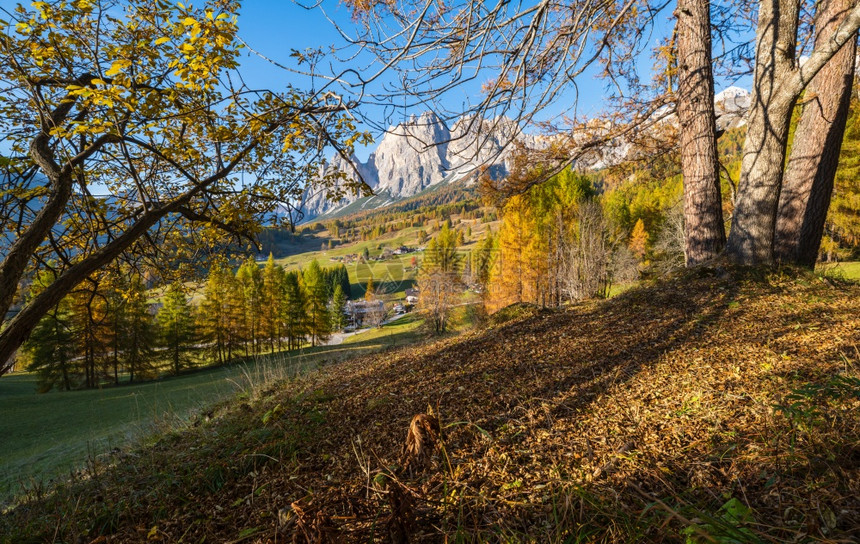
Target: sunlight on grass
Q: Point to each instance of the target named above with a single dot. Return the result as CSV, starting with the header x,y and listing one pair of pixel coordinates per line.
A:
x,y
46,436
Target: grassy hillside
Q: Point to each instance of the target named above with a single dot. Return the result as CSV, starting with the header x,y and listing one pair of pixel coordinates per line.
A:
x,y
716,407
51,435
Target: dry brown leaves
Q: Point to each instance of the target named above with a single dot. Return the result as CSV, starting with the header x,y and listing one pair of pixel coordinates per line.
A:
x,y
567,422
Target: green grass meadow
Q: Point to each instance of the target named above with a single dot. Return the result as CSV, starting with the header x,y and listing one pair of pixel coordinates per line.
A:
x,y
848,270
50,435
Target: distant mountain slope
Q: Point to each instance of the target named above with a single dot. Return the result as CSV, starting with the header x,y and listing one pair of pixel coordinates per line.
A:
x,y
423,152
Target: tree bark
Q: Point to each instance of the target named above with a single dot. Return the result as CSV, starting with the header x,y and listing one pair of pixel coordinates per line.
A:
x,y
704,232
778,81
808,185
18,329
751,237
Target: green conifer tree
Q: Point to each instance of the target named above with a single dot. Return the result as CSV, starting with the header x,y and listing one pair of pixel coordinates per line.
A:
x,y
319,325
176,326
50,350
295,316
338,320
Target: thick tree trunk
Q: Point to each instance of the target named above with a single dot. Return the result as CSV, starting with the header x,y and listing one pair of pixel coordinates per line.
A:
x,y
751,237
704,233
778,81
808,185
18,329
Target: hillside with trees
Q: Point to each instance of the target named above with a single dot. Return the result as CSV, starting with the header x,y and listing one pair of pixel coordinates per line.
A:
x,y
596,301
715,405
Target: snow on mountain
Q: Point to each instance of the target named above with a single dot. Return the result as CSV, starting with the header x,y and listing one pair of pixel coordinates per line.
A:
x,y
420,153
731,106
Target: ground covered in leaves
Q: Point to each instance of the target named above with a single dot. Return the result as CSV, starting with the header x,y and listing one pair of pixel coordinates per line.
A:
x,y
719,406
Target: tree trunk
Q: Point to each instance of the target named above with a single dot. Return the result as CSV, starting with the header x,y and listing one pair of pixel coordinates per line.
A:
x,y
808,184
751,237
18,329
704,232
778,81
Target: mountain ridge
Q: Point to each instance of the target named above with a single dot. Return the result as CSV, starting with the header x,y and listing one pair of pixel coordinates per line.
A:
x,y
423,151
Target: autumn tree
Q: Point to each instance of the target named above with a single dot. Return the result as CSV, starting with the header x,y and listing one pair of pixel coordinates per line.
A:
x,y
318,318
295,317
176,326
250,285
214,313
90,322
809,177
532,56
369,290
639,240
141,100
272,302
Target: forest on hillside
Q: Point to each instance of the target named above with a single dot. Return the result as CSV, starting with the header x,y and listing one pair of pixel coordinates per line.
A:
x,y
114,333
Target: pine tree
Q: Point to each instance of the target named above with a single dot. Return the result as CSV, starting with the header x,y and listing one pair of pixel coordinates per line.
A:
x,y
295,316
342,279
319,325
176,325
50,350
338,320
138,334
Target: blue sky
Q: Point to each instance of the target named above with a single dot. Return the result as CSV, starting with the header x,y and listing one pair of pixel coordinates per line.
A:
x,y
274,28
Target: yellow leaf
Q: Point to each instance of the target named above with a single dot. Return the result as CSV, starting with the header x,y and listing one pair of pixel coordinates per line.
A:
x,y
115,68
189,21
163,39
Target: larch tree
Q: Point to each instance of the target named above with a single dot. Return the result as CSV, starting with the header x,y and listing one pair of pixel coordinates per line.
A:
x,y
295,318
176,326
250,282
213,312
809,177
141,100
318,318
705,234
271,297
